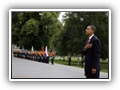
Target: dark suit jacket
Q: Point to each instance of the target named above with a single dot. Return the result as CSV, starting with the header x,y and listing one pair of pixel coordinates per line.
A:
x,y
92,55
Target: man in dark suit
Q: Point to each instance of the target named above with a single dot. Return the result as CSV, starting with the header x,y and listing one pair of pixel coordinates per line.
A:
x,y
92,54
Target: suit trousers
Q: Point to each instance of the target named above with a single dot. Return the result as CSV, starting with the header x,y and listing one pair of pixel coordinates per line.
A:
x,y
90,75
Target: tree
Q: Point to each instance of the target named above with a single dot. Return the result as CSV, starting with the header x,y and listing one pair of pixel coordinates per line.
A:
x,y
74,37
29,34
31,29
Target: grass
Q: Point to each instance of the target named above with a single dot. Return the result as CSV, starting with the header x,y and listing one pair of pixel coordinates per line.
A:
x,y
74,62
104,66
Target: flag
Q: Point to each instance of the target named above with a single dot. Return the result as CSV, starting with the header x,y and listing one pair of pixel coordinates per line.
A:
x,y
22,48
32,49
46,52
42,48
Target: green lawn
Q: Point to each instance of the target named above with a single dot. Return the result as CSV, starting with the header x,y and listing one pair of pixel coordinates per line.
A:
x,y
74,62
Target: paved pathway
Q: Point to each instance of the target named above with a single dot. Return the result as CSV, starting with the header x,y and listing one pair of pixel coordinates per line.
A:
x,y
23,68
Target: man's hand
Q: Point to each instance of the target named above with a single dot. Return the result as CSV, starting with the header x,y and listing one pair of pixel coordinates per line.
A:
x,y
93,71
87,46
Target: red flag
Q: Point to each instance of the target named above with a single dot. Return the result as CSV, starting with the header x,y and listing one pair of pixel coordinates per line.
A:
x,y
43,48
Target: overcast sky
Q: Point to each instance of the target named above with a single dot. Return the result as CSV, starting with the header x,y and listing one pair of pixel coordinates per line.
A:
x,y
60,16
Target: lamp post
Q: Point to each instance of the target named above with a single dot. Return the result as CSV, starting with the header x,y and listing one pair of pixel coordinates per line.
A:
x,y
40,14
46,27
82,21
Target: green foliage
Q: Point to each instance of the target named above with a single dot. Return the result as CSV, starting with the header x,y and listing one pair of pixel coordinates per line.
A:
x,y
73,37
32,29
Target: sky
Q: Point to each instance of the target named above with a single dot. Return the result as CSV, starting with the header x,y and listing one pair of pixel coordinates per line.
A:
x,y
60,16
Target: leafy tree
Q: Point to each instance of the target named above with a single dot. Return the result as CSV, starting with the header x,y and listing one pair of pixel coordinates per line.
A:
x,y
32,29
74,37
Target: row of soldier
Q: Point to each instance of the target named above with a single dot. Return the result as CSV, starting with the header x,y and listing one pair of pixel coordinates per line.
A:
x,y
35,55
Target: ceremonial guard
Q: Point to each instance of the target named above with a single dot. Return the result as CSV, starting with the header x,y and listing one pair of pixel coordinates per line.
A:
x,y
53,56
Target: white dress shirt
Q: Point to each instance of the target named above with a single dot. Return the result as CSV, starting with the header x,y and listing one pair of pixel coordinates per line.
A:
x,y
91,37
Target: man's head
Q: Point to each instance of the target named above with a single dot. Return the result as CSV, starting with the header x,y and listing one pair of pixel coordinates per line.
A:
x,y
91,29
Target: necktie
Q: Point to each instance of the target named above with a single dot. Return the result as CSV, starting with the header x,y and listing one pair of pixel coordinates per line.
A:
x,y
87,41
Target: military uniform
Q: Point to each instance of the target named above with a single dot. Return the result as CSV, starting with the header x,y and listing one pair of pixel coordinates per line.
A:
x,y
53,56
